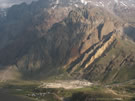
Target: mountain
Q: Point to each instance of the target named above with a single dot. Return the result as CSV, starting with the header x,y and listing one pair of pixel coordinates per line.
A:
x,y
82,39
9,3
121,8
55,11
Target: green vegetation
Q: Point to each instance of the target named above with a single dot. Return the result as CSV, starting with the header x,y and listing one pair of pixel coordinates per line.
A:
x,y
117,63
125,92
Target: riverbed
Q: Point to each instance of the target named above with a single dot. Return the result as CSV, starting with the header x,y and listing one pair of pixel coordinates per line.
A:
x,y
67,84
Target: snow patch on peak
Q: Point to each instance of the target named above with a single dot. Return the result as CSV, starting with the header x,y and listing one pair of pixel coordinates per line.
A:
x,y
57,2
76,5
84,2
123,4
116,1
101,3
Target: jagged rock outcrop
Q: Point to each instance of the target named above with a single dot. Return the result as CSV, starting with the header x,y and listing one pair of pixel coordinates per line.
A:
x,y
116,65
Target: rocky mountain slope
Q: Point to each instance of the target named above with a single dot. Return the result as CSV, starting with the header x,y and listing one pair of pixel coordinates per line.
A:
x,y
57,37
41,18
125,9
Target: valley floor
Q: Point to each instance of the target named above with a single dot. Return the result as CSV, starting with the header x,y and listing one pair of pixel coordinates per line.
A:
x,y
5,96
66,90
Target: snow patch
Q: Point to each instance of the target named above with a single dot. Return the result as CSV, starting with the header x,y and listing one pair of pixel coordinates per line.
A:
x,y
76,5
84,2
54,7
96,4
123,4
116,1
101,4
57,2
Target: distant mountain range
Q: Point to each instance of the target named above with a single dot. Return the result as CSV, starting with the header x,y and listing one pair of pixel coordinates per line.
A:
x,y
121,8
9,3
78,39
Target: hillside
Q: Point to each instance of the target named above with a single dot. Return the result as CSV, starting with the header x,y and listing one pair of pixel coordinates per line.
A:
x,y
85,42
